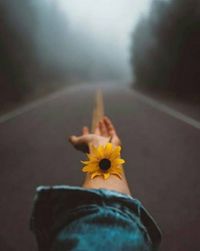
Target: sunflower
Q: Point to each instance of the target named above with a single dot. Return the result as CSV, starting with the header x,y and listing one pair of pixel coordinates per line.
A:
x,y
104,160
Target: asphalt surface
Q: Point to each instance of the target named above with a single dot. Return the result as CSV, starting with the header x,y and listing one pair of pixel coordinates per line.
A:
x,y
160,148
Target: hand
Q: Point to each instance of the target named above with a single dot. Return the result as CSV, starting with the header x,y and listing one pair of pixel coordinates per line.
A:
x,y
104,133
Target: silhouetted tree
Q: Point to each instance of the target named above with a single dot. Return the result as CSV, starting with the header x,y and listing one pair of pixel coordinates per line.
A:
x,y
166,47
33,42
16,50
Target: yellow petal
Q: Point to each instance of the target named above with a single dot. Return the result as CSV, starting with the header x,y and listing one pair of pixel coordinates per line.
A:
x,y
116,153
90,162
118,149
118,161
90,168
93,150
106,175
108,150
85,169
116,173
116,169
95,174
100,150
85,162
91,157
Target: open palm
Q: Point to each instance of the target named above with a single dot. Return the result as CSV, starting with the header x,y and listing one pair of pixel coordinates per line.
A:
x,y
104,133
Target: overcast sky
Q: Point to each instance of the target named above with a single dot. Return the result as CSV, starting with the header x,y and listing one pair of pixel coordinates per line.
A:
x,y
109,21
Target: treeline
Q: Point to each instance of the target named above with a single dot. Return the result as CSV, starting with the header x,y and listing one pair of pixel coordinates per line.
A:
x,y
165,51
17,58
32,39
41,48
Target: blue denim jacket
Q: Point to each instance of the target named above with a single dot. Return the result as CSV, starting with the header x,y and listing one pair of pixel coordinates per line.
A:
x,y
80,219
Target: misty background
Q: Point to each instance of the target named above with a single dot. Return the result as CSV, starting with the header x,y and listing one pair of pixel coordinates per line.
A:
x,y
145,55
46,45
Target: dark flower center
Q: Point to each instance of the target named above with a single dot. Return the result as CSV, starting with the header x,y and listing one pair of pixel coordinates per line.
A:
x,y
105,164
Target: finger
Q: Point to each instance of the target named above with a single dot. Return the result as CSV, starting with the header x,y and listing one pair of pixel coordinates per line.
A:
x,y
85,130
78,140
103,128
116,141
109,125
80,143
97,129
84,139
73,139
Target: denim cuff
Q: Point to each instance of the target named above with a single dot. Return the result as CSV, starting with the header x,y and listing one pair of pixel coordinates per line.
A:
x,y
55,205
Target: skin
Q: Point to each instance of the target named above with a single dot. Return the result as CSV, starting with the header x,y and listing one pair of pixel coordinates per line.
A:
x,y
104,132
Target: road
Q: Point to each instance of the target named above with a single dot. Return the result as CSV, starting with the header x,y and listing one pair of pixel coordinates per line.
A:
x,y
161,149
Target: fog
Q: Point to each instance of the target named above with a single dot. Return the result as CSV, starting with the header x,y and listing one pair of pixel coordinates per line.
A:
x,y
108,25
47,44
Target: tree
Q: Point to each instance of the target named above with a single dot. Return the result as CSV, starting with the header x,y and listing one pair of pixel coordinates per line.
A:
x,y
16,48
166,47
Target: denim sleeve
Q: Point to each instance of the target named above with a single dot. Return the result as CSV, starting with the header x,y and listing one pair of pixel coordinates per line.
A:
x,y
78,219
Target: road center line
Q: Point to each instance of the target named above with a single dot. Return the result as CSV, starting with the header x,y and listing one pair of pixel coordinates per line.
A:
x,y
150,101
164,108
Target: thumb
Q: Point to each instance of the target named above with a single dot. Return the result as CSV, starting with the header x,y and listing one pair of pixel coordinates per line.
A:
x,y
73,139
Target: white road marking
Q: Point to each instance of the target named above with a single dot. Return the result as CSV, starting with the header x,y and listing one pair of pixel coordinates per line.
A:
x,y
164,108
34,104
30,106
150,101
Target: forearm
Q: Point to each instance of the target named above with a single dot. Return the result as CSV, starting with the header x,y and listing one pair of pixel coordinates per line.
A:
x,y
112,183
